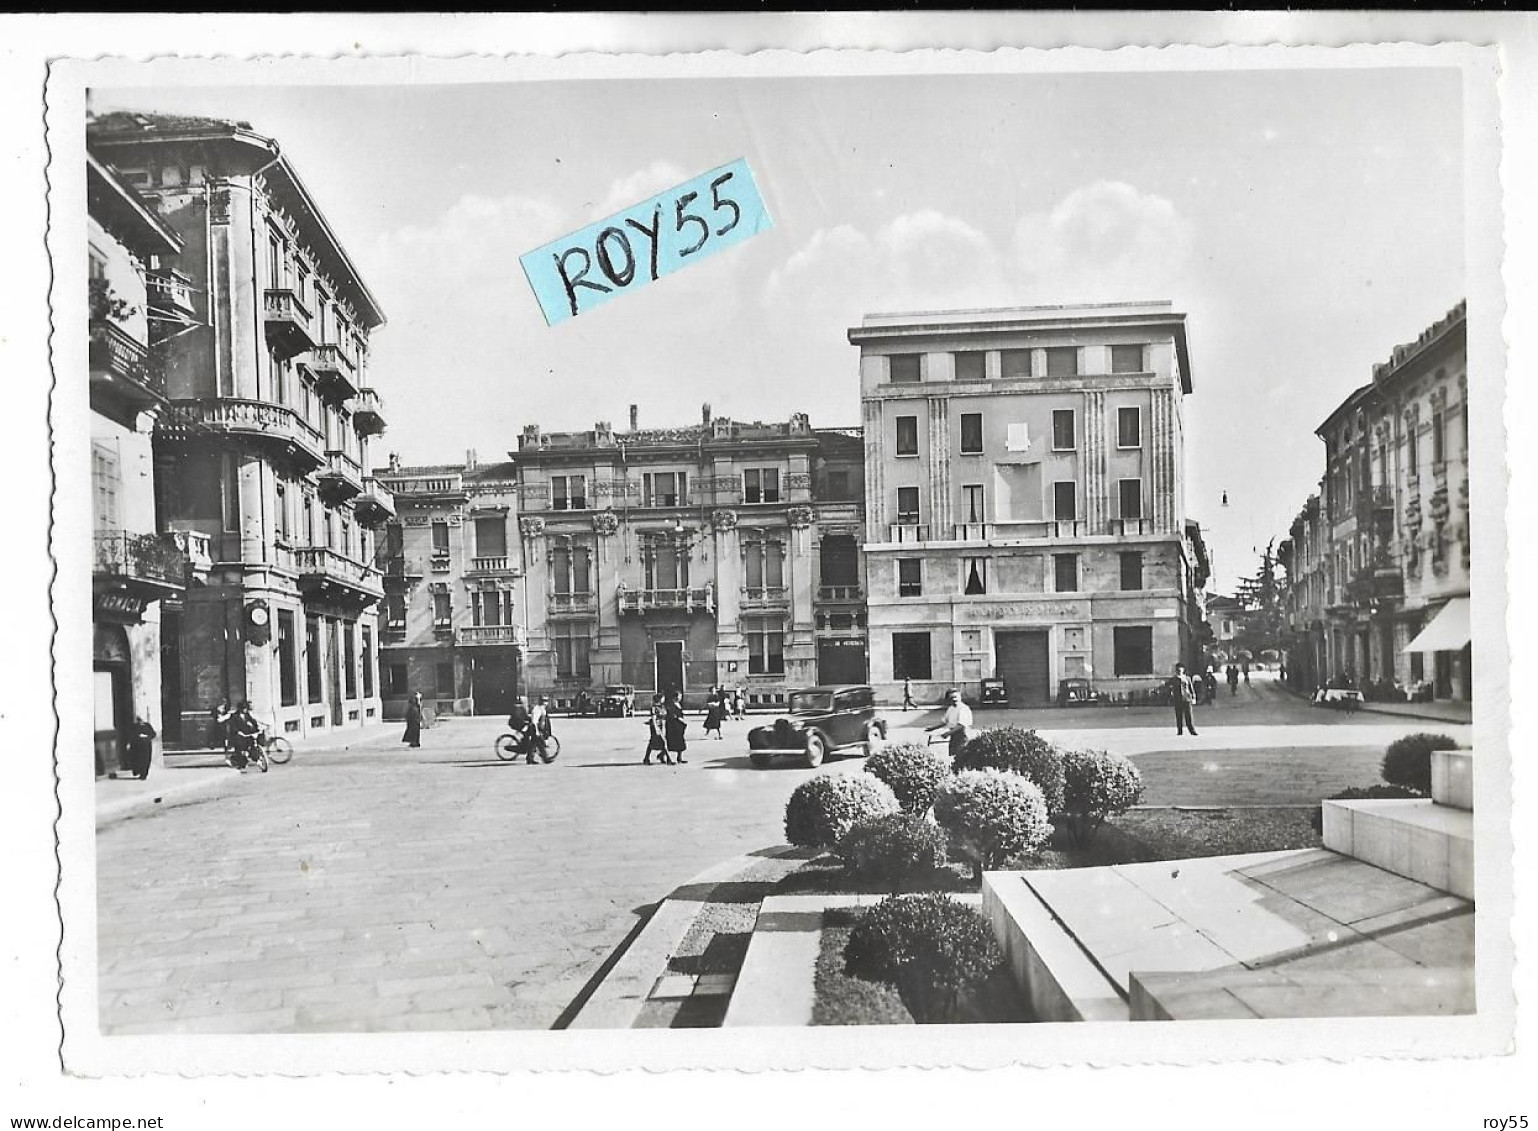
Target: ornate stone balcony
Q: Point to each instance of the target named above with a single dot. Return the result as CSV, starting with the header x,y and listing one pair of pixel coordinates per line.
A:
x,y
492,565
324,572
489,635
277,428
690,600
154,561
287,321
368,413
120,365
334,371
765,598
840,594
375,505
340,478
573,605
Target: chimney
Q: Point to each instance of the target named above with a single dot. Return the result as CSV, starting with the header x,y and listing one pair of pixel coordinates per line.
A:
x,y
635,417
470,464
705,414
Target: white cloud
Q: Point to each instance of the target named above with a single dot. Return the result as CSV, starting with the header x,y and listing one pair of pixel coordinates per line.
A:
x,y
654,178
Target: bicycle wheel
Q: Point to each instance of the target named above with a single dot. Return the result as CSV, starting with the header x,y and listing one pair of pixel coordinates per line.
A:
x,y
280,750
260,758
506,747
552,749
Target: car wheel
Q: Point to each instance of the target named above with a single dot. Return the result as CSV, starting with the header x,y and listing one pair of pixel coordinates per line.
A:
x,y
816,749
760,759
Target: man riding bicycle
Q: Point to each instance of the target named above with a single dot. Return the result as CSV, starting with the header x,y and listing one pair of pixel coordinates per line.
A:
x,y
245,734
531,727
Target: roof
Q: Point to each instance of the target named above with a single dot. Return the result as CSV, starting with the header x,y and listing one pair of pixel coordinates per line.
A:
x,y
123,213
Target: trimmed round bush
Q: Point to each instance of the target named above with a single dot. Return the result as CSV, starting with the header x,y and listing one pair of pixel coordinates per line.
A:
x,y
1407,761
1097,785
821,810
1364,793
897,849
913,770
1018,751
930,947
991,815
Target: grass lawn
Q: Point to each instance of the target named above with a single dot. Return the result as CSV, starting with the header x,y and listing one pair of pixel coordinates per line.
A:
x,y
1279,776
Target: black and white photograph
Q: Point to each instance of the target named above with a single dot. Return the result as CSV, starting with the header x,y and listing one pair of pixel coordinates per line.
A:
x,y
852,559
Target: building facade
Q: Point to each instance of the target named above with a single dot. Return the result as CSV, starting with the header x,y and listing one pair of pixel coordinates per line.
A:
x,y
261,449
1024,499
1390,545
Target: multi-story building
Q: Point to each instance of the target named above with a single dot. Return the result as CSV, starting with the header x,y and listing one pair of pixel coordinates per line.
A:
x,y
263,446
1394,544
1024,503
454,612
720,553
139,564
1303,554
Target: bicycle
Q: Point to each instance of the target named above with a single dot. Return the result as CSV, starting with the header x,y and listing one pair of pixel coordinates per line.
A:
x,y
266,748
510,746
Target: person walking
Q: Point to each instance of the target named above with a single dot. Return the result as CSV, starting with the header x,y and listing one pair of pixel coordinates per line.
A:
x,y
413,733
740,704
141,748
907,693
1184,695
1209,685
1245,668
656,731
957,722
715,712
673,726
1233,680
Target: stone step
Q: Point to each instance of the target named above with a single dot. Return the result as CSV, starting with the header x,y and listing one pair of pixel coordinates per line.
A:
x,y
1429,843
1417,991
1452,778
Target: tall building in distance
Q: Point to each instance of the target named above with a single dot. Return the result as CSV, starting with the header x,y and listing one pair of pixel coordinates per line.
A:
x,y
261,449
1024,498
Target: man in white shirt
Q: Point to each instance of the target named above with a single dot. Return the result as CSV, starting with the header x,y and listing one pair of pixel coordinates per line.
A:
x,y
957,722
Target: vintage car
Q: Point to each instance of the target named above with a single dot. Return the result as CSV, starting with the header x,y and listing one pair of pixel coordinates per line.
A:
x,y
1076,692
994,693
822,720
618,699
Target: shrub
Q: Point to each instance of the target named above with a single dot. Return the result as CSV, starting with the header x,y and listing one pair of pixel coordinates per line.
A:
x,y
1364,793
821,810
914,771
1018,751
991,816
1097,785
929,946
1407,761
897,849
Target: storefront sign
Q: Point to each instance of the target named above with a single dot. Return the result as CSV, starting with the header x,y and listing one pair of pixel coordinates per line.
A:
x,y
117,605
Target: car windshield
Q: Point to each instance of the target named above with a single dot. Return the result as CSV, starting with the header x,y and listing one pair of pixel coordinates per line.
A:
x,y
811,701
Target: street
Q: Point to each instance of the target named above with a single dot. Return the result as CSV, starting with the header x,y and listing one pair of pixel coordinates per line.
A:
x,y
384,888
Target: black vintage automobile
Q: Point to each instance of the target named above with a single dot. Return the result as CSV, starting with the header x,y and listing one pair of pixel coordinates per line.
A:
x,y
994,693
618,700
822,720
1076,692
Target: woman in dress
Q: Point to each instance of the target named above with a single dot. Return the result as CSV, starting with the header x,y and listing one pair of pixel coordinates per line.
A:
x,y
656,730
674,726
413,733
715,712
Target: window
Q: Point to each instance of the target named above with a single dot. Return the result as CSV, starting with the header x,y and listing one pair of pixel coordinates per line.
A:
x,y
766,648
667,563
443,609
971,433
904,368
907,505
105,478
1065,570
231,482
1132,569
1413,456
570,568
368,661
840,560
1065,501
446,680
395,611
440,539
573,647
1015,363
288,660
274,263
396,684
1129,427
1134,650
665,488
761,485
970,365
837,485
764,564
312,679
349,662
1131,492
1127,359
974,576
910,655
910,577
280,511
907,435
487,607
972,502
1062,430
1062,361
1438,439
568,492
491,537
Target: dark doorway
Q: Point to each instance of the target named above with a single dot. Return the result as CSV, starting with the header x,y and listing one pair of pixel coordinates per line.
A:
x,y
670,665
170,676
841,661
1024,667
333,643
494,680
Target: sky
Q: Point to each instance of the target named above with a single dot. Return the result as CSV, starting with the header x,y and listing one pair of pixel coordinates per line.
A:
x,y
1306,221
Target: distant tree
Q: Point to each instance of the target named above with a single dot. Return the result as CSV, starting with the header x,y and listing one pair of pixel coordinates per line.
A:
x,y
1261,595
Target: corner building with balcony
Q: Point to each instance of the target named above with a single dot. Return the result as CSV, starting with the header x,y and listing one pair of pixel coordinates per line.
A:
x,y
725,552
261,450
1024,499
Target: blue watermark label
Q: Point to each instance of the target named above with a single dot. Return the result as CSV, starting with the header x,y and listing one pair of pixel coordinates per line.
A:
x,y
646,241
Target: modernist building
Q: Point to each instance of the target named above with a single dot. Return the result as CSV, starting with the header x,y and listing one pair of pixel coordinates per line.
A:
x,y
1384,569
454,610
1024,498
262,447
139,564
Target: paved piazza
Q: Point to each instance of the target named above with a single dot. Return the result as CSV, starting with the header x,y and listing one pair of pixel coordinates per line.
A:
x,y
377,887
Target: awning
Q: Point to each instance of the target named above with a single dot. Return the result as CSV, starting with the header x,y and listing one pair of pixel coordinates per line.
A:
x,y
1448,630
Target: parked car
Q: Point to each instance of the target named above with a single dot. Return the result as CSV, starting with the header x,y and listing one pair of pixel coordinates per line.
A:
x,y
1076,692
618,700
994,693
822,720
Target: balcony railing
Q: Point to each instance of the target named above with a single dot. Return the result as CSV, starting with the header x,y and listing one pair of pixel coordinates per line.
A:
x,y
692,600
125,362
765,596
492,563
155,560
480,635
368,412
334,371
913,532
1123,527
839,593
573,604
320,567
197,547
271,424
341,477
402,567
288,322
908,532
376,504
